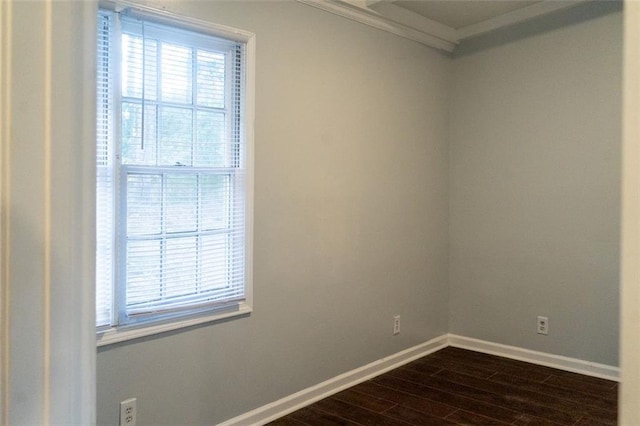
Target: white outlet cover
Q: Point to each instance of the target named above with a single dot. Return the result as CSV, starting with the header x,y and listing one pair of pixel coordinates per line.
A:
x,y
542,325
128,412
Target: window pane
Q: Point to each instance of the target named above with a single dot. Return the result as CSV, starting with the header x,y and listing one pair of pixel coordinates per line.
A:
x,y
210,71
180,267
175,136
214,200
144,204
144,260
211,130
177,77
131,66
131,126
133,150
214,267
150,69
132,58
181,203
211,149
173,239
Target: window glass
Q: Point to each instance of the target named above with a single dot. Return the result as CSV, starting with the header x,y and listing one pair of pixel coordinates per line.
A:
x,y
171,193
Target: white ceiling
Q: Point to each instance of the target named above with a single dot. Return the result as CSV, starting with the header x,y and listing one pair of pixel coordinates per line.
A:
x,y
461,13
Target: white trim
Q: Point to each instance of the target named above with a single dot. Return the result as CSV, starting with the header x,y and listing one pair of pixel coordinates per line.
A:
x,y
124,333
515,17
291,403
629,411
53,347
574,365
404,23
249,141
375,20
414,20
70,209
174,20
286,405
84,254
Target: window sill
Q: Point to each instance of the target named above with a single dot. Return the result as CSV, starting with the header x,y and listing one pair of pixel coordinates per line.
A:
x,y
125,333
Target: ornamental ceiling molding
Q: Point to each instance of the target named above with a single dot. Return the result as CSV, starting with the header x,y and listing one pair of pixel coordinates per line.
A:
x,y
386,16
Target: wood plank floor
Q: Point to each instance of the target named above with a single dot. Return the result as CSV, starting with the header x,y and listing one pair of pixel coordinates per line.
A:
x,y
457,386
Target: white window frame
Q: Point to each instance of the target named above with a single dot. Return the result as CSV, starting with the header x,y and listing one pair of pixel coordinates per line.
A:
x,y
119,333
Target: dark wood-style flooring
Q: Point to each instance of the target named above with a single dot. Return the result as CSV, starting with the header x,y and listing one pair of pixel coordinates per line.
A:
x,y
457,386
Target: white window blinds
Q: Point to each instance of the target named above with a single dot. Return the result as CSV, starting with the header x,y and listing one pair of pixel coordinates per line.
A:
x,y
171,171
104,171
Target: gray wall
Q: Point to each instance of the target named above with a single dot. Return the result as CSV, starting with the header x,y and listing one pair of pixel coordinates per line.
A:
x,y
351,226
388,176
535,178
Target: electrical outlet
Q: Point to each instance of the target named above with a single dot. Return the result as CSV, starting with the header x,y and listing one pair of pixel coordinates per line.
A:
x,y
396,325
543,325
128,412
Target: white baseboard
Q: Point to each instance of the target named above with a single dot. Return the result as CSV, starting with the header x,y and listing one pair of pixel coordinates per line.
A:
x,y
541,358
288,404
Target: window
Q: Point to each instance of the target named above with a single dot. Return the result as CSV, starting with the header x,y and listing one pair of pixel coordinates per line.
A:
x,y
173,172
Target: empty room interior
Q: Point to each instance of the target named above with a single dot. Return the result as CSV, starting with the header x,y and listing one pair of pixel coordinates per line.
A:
x,y
467,193
467,186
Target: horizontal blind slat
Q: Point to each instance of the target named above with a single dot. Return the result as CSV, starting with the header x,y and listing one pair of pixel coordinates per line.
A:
x,y
181,169
104,175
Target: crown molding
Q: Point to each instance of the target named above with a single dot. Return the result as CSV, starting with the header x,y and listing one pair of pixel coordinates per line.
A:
x,y
371,18
411,19
386,16
515,17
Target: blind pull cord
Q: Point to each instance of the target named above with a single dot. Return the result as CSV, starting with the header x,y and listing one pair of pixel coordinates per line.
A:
x,y
144,79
